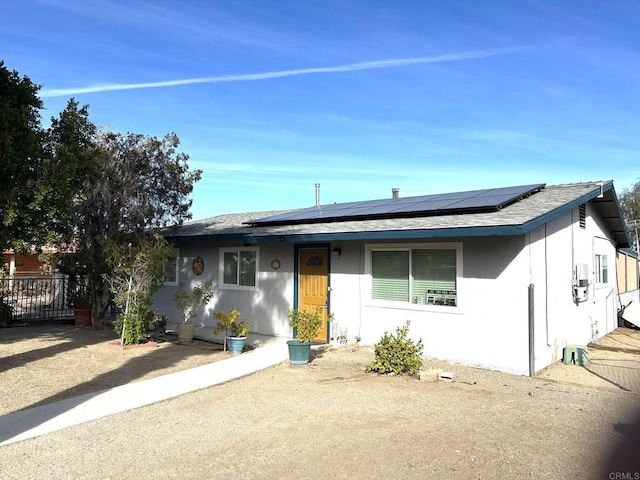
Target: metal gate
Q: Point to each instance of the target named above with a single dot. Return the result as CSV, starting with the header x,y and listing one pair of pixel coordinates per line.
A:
x,y
37,298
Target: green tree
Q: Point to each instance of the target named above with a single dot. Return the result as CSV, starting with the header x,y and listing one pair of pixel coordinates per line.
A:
x,y
21,152
41,171
72,186
71,166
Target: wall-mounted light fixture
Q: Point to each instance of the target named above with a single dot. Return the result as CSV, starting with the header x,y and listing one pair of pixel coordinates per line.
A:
x,y
336,252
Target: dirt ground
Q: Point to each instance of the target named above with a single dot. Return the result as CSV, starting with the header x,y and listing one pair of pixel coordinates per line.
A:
x,y
329,419
47,363
614,363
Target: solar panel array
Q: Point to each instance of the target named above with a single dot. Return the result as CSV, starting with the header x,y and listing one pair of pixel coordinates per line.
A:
x,y
487,200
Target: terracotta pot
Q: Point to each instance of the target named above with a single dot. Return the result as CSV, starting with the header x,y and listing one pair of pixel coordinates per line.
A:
x,y
82,317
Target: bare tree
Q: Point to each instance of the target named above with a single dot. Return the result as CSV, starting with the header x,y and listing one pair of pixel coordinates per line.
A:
x,y
135,277
144,184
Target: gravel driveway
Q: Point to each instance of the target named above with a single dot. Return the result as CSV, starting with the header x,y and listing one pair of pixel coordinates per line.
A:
x,y
326,420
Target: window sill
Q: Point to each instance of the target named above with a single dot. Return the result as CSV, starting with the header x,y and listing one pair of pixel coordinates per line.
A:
x,y
415,307
223,286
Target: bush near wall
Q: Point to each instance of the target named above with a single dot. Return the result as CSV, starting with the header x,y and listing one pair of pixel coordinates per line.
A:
x,y
397,354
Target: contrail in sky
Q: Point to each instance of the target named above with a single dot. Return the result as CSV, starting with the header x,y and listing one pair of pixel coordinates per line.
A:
x,y
454,57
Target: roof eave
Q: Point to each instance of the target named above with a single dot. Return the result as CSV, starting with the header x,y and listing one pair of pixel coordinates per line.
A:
x,y
203,238
621,235
502,230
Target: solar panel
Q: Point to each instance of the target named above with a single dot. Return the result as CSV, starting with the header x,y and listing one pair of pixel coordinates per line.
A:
x,y
459,195
426,205
489,201
486,200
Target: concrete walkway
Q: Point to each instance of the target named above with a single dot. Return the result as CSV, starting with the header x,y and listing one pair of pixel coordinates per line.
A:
x,y
36,421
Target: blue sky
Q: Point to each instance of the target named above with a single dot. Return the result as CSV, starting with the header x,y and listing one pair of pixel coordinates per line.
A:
x,y
271,97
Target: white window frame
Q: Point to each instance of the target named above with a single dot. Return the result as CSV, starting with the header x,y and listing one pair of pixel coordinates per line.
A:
x,y
233,286
598,268
409,305
176,259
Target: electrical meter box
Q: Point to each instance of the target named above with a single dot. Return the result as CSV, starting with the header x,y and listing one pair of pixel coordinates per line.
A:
x,y
582,275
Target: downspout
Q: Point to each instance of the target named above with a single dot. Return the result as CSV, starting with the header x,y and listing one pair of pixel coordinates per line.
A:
x,y
546,285
361,274
530,317
532,351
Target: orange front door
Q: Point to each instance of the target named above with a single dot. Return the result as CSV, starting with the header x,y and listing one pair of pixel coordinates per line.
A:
x,y
313,285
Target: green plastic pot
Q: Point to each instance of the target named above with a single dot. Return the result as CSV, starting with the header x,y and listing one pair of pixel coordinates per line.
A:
x,y
299,352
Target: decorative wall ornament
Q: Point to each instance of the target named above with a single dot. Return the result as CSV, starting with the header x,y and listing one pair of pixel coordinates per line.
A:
x,y
198,265
275,264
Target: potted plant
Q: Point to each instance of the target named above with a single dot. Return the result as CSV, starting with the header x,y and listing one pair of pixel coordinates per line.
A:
x,y
80,299
6,313
158,327
239,330
189,304
306,326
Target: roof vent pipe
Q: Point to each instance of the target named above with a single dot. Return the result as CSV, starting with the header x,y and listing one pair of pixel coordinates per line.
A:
x,y
317,194
395,193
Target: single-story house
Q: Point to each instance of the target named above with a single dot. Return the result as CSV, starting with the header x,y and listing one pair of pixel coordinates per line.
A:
x,y
499,278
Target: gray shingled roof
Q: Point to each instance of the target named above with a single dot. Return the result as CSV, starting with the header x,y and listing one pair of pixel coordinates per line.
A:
x,y
222,225
517,218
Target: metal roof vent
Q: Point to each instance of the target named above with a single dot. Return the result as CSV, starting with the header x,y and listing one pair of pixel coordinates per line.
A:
x,y
317,194
395,193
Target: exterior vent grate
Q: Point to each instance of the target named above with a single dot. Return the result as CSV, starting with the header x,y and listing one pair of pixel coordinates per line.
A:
x,y
583,216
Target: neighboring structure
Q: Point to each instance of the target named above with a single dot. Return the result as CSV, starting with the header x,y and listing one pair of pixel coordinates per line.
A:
x,y
500,278
29,265
627,275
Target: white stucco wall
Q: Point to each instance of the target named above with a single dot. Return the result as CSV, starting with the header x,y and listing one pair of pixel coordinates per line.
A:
x,y
555,249
490,325
485,329
266,309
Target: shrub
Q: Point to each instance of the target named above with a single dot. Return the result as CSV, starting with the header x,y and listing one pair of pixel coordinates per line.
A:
x,y
135,324
397,353
229,321
189,303
79,295
6,312
307,324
